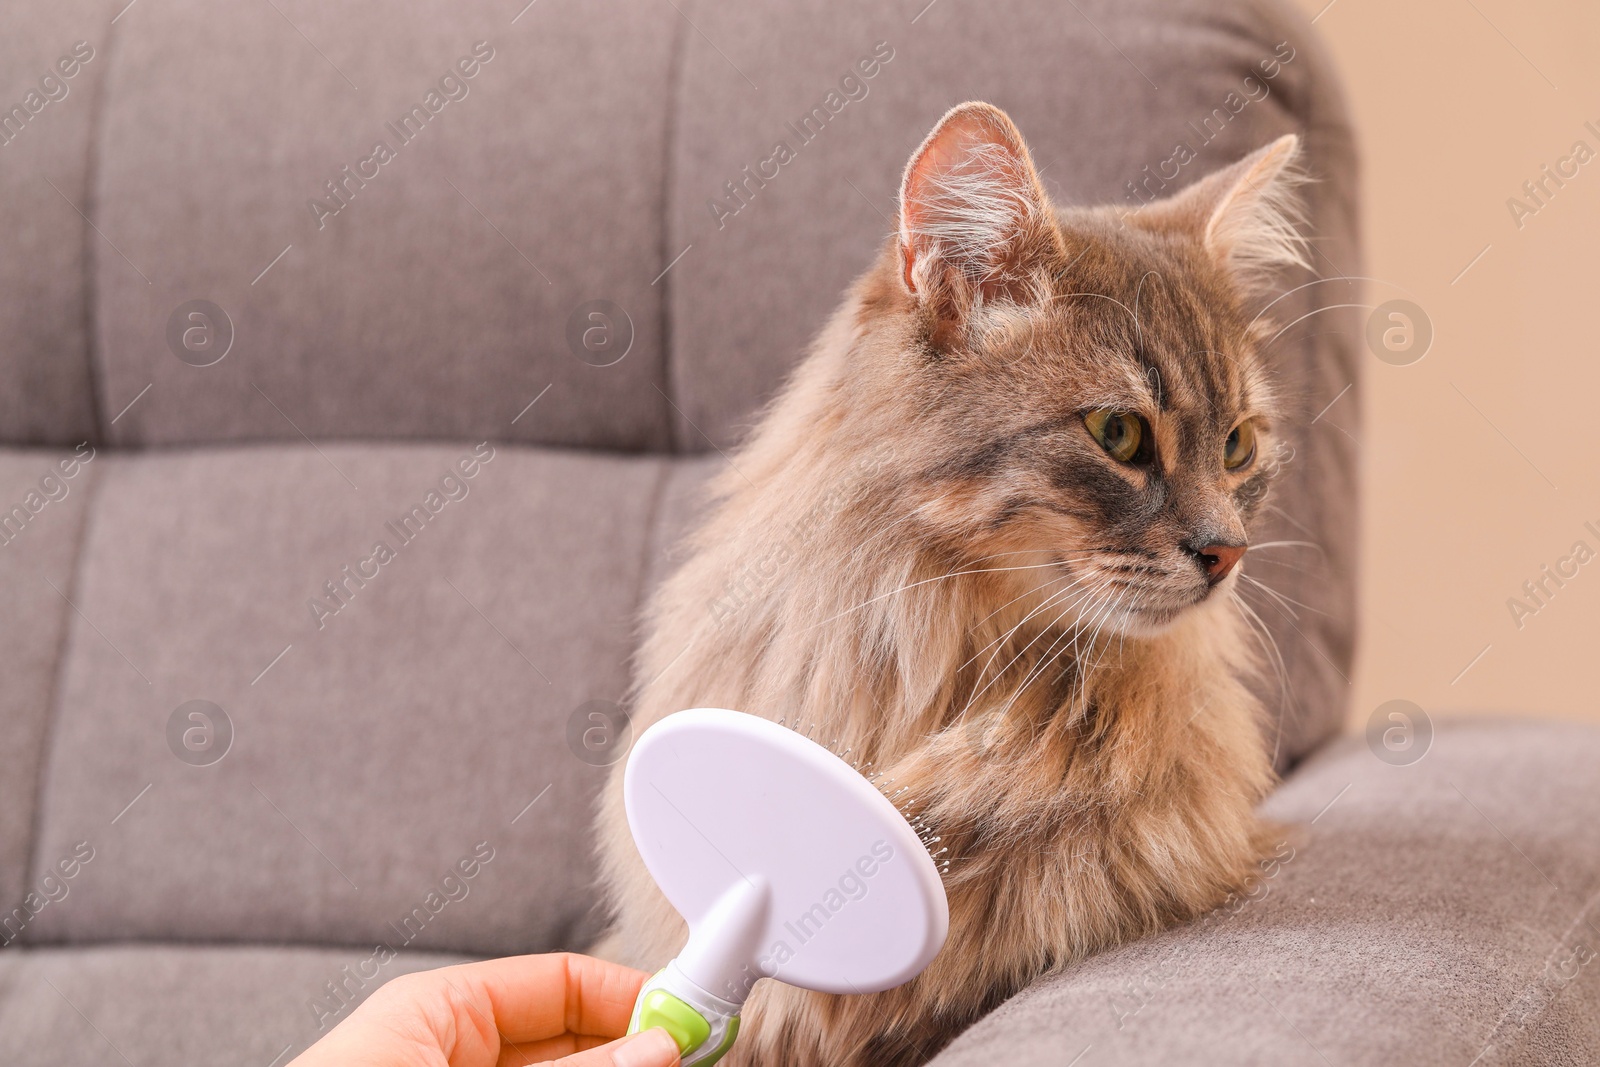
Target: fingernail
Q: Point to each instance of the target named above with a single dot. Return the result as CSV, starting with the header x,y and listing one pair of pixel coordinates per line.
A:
x,y
653,1048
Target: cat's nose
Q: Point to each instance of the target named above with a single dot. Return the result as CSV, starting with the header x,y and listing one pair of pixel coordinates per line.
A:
x,y
1217,560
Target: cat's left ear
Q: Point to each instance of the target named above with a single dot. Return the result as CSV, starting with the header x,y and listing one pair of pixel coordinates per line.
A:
x,y
974,221
1246,214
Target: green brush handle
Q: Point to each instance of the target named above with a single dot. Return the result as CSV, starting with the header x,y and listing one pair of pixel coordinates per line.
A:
x,y
704,1026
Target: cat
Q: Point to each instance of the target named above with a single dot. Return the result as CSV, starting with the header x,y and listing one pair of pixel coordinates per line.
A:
x,y
988,538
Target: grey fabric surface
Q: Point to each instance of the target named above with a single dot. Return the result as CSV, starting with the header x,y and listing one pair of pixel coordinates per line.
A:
x,y
1444,913
38,554
161,1005
49,393
417,722
683,499
435,304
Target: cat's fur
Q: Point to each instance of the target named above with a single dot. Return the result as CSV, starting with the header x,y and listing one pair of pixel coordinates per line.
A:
x,y
923,550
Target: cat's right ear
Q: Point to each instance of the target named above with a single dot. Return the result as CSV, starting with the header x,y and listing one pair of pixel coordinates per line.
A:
x,y
1245,215
973,217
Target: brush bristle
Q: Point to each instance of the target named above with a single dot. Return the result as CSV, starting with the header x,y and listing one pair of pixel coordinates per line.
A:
x,y
906,806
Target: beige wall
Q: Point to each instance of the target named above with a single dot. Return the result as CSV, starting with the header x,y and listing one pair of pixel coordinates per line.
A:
x,y
1456,108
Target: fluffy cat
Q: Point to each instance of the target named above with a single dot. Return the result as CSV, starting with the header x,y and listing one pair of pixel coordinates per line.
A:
x,y
987,538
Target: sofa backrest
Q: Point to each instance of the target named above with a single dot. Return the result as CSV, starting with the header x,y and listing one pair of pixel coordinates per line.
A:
x,y
409,222
579,231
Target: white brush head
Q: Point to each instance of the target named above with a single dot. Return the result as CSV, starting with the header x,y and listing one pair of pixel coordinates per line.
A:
x,y
785,861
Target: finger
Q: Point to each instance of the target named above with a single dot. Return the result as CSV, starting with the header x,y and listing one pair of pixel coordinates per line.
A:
x,y
551,1048
653,1048
538,997
546,1049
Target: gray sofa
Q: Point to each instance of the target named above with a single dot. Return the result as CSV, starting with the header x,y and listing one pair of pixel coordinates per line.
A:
x,y
254,768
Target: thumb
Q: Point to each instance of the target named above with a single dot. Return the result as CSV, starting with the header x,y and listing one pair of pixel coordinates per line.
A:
x,y
652,1048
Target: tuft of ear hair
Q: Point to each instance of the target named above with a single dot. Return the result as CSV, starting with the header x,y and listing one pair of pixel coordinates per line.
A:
x,y
1247,215
973,216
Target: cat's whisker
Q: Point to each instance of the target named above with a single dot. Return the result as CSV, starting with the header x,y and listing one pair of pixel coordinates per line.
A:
x,y
1316,575
1315,281
1036,589
1044,660
1078,695
1139,327
1077,633
1290,519
1083,595
1102,296
1020,596
1286,544
1284,610
1077,660
1118,605
1112,605
995,646
1258,628
1009,552
1307,315
1113,609
1283,603
1129,608
1054,597
1282,597
888,531
940,578
1313,644
998,644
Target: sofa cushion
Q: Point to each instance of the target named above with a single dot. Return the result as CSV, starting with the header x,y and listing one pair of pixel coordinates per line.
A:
x,y
1444,912
156,1005
434,303
47,126
44,500
375,748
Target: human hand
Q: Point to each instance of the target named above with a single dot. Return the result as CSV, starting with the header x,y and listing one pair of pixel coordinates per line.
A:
x,y
560,1007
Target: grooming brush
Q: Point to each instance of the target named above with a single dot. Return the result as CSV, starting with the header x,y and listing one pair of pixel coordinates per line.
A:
x,y
787,862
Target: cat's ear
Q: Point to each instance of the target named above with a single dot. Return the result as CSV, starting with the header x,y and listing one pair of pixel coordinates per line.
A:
x,y
973,216
1246,214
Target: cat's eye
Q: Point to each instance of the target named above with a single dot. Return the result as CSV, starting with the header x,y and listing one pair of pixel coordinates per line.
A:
x,y
1124,437
1240,447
